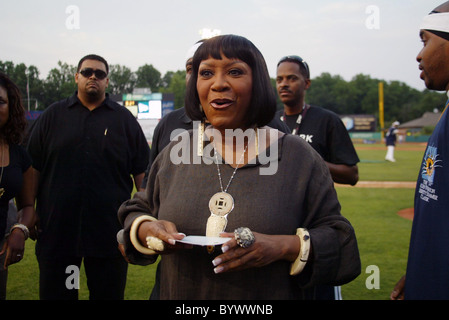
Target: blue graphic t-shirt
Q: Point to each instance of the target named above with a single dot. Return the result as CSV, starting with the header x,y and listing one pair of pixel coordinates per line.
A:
x,y
427,274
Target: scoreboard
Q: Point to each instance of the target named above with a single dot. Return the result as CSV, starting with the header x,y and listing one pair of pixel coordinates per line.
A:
x,y
149,106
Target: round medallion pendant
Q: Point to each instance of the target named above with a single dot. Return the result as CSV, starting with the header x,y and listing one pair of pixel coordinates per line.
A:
x,y
221,203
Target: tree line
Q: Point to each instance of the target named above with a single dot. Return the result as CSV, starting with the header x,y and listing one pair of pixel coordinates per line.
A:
x,y
357,96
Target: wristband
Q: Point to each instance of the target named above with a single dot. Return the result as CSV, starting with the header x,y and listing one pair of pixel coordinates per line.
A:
x,y
133,234
22,227
300,262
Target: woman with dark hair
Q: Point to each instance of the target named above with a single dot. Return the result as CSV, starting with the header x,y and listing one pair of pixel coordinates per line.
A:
x,y
259,224
16,179
263,101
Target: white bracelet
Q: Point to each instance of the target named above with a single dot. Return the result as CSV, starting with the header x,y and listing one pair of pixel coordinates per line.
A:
x,y
22,227
133,234
300,262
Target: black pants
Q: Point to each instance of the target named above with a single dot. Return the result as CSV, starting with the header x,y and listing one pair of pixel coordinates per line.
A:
x,y
106,278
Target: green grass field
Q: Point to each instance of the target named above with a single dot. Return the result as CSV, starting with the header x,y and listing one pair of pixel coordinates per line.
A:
x,y
373,167
382,235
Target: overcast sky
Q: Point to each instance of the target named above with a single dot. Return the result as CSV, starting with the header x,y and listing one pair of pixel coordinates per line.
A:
x,y
347,37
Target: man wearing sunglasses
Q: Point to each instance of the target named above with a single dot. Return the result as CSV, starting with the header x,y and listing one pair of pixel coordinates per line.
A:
x,y
87,153
92,82
321,128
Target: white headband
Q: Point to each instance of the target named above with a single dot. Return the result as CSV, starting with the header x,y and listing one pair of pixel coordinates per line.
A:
x,y
436,22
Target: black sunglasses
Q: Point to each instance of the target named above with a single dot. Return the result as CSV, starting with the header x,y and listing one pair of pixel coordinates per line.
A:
x,y
297,59
99,74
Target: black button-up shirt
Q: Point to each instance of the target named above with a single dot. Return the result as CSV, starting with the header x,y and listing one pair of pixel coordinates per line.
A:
x,y
85,159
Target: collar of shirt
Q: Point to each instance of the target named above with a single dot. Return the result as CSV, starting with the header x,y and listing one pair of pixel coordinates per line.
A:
x,y
263,158
73,100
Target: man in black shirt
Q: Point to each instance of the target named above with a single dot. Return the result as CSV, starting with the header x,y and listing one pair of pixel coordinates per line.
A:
x,y
84,149
321,128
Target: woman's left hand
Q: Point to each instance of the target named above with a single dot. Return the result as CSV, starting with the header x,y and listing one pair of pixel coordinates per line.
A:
x,y
265,250
14,247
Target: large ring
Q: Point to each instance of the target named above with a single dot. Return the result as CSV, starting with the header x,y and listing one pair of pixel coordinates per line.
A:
x,y
244,237
155,244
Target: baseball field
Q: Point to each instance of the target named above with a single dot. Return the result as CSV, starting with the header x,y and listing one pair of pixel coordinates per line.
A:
x,y
378,207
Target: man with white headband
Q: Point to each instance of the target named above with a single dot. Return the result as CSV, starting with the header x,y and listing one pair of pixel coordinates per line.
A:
x,y
427,275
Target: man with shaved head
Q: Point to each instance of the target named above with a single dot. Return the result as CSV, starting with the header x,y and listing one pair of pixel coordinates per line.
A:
x,y
427,275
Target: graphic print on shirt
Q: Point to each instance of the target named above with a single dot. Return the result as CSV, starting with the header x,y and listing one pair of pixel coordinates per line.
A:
x,y
307,137
428,172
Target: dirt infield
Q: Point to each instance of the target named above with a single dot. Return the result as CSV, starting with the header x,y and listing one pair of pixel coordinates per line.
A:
x,y
406,213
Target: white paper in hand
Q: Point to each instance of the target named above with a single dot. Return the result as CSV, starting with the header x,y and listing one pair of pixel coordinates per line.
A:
x,y
203,240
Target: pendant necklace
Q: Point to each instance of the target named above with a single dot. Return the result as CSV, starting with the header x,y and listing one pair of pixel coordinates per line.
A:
x,y
221,203
2,190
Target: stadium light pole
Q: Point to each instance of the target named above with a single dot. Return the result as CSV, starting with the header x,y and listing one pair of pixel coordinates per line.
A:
x,y
381,109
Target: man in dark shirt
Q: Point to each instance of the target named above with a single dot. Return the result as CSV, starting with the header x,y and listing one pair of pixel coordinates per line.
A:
x,y
427,274
321,128
84,149
390,141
